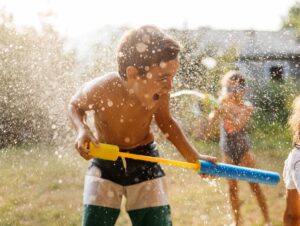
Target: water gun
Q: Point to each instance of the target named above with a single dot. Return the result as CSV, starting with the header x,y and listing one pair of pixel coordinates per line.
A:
x,y
112,152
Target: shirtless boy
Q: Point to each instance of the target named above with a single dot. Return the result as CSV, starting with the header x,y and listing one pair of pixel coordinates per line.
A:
x,y
124,104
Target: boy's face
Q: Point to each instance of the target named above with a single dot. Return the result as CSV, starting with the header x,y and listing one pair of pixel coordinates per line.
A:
x,y
157,81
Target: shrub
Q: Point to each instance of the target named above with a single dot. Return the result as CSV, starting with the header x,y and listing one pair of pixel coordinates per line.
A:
x,y
272,101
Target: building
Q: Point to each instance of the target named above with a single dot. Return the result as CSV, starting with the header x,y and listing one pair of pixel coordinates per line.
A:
x,y
262,55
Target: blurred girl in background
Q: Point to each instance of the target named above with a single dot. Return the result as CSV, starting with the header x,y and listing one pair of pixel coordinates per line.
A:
x,y
234,114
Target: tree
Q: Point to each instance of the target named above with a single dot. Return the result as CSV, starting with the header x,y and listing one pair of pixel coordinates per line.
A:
x,y
35,83
293,19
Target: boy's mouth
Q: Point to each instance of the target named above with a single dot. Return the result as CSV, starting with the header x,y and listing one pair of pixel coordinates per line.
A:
x,y
155,96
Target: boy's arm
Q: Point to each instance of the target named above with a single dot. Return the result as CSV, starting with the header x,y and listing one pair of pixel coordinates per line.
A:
x,y
81,102
173,132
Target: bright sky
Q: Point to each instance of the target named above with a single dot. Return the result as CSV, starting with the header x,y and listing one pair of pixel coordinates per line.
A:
x,y
78,17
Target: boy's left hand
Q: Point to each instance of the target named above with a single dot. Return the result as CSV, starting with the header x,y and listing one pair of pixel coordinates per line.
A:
x,y
209,159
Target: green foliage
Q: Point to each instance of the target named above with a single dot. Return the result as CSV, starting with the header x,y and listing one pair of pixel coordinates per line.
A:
x,y
35,79
272,101
293,19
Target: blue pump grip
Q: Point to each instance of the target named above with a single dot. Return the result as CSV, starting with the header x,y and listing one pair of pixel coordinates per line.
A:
x,y
239,173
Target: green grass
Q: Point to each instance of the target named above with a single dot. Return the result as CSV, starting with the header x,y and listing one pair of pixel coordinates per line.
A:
x,y
42,185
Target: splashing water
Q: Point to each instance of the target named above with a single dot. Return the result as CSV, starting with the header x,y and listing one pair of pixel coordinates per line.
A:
x,y
188,92
207,99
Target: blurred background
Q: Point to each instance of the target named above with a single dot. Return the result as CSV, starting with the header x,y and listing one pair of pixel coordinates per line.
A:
x,y
48,49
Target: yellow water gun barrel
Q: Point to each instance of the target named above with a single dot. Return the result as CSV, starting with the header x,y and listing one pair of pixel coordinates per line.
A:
x,y
112,152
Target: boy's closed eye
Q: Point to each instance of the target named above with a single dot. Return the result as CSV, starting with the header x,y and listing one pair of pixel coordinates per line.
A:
x,y
164,77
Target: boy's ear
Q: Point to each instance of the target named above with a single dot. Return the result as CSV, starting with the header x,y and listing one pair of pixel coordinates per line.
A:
x,y
131,72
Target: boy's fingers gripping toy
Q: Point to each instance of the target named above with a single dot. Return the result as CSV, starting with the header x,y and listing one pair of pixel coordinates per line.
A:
x,y
111,152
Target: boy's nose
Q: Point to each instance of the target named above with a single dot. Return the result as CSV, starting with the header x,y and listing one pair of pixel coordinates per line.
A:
x,y
168,84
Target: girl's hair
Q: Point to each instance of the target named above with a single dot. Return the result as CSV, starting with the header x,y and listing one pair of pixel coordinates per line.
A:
x,y
144,47
232,75
294,120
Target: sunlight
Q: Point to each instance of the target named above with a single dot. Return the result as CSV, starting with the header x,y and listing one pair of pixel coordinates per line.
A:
x,y
77,17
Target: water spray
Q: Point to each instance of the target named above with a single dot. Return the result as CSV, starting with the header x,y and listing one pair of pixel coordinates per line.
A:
x,y
207,99
112,152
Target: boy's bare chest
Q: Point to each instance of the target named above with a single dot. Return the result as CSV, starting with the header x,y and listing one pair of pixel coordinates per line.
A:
x,y
124,115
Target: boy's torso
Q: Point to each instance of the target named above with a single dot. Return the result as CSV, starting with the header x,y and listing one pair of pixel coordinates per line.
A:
x,y
120,118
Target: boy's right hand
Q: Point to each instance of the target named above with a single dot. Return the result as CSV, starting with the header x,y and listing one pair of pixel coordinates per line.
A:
x,y
81,144
208,158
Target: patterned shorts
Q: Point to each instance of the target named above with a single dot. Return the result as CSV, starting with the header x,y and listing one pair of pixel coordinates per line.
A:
x,y
141,183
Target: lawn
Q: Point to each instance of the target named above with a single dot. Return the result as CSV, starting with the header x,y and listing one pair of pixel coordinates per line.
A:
x,y
42,186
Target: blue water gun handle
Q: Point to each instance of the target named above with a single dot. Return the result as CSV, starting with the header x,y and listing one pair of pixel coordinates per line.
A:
x,y
239,173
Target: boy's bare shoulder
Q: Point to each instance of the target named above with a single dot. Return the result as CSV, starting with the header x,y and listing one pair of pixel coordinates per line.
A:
x,y
101,82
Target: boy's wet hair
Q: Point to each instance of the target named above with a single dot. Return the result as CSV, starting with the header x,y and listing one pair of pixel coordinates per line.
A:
x,y
145,47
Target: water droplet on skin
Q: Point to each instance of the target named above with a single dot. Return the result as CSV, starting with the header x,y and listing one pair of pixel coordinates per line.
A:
x,y
110,194
146,95
131,91
121,120
149,75
127,139
136,180
90,106
103,108
110,103
162,65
